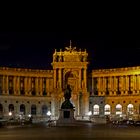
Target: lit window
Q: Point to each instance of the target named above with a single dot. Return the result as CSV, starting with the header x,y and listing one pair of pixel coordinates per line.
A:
x,y
107,109
118,109
96,110
130,109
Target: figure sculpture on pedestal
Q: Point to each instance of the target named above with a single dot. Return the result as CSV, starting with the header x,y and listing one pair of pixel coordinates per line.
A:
x,y
67,95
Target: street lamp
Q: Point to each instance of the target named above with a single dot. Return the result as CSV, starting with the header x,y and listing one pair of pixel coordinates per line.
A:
x,y
29,115
89,114
49,113
10,113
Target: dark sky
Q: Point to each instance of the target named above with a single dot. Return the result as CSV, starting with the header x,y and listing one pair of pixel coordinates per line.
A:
x,y
35,49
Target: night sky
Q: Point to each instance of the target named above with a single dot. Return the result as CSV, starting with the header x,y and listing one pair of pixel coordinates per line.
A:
x,y
35,49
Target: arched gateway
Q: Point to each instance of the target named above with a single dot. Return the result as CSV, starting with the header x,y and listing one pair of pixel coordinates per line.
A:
x,y
70,68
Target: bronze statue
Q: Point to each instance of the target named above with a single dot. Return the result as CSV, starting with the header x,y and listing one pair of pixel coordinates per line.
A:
x,y
67,95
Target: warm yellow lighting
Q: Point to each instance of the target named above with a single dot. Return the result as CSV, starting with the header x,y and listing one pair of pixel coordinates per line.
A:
x,y
10,113
89,113
48,113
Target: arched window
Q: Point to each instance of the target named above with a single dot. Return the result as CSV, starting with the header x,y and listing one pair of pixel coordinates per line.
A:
x,y
96,110
44,110
33,110
118,109
22,109
11,107
130,109
107,109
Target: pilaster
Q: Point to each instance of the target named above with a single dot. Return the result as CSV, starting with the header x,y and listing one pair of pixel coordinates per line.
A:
x,y
54,77
3,85
80,79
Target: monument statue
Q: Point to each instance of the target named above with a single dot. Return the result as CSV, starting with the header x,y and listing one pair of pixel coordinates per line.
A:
x,y
67,95
66,116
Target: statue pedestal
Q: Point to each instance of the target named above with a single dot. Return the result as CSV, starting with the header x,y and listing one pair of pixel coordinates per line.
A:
x,y
66,117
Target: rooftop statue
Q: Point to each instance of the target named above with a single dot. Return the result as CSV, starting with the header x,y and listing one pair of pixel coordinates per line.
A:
x,y
70,49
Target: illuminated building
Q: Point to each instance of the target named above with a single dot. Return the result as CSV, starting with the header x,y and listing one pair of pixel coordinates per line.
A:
x,y
35,92
116,92
113,92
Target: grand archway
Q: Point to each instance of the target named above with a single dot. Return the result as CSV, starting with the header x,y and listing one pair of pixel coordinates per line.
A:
x,y
72,80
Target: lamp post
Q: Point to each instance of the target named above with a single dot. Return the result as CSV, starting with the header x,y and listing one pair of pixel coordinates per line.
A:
x,y
49,115
89,114
30,118
10,114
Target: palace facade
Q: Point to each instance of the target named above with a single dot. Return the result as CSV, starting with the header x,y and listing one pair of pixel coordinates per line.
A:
x,y
113,92
116,92
35,92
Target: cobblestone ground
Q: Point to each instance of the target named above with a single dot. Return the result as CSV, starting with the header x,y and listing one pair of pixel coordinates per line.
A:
x,y
83,132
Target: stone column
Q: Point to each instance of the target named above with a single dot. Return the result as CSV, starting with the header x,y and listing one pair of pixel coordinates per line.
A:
x,y
135,79
54,77
60,77
53,106
18,85
36,86
115,85
41,86
3,85
121,84
132,84
86,104
101,84
80,79
25,86
7,85
138,83
85,78
29,85
14,85
98,85
47,86
110,85
104,83
126,85
131,81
